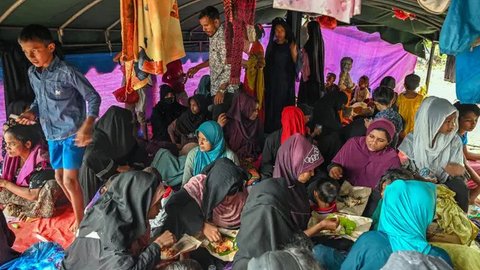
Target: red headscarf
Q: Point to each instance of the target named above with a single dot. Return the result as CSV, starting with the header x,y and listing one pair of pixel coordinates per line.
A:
x,y
174,76
293,121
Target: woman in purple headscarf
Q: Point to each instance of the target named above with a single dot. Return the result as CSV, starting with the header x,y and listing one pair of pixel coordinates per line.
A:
x,y
296,160
363,160
243,130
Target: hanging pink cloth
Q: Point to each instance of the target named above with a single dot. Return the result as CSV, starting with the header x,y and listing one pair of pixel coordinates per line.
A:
x,y
238,15
342,10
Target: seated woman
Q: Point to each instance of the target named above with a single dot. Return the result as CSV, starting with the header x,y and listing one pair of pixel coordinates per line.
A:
x,y
408,208
164,113
114,149
278,208
28,183
182,130
211,146
293,121
114,234
326,115
243,129
363,160
296,160
434,150
267,224
211,200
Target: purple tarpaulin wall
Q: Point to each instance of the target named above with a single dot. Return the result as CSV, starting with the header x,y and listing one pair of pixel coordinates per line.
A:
x,y
371,55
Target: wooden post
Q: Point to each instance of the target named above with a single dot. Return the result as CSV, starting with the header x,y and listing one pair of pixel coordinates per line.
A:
x,y
430,63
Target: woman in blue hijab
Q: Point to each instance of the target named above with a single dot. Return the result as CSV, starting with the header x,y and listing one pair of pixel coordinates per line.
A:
x,y
211,146
408,208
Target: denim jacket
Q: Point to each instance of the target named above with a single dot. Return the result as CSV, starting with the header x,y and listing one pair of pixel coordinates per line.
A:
x,y
61,92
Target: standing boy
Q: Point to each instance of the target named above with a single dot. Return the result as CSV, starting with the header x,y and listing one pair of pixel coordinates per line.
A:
x,y
408,102
60,96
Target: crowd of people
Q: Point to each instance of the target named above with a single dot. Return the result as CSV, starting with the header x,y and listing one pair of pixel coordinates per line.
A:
x,y
249,158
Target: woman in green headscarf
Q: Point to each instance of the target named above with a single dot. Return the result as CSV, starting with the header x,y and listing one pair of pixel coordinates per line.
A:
x,y
211,146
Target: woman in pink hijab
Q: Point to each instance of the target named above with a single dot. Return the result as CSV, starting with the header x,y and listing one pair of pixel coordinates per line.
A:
x,y
363,160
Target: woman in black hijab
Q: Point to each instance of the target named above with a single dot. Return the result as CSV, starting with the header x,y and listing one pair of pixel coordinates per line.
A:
x,y
266,221
115,233
114,149
164,113
312,84
210,200
190,120
326,116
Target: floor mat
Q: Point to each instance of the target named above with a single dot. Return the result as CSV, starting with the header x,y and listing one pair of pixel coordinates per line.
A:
x,y
54,229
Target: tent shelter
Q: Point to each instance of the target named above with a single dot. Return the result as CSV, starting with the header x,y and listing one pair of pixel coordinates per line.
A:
x,y
88,26
94,25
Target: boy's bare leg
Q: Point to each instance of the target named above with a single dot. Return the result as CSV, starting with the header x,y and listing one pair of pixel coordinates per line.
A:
x,y
59,178
70,180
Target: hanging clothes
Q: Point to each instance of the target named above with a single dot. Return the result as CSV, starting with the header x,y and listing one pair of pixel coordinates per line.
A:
x,y
468,76
151,33
450,69
461,27
254,83
296,156
340,10
238,16
312,85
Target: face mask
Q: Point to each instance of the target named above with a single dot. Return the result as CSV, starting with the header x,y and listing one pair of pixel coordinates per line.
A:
x,y
169,100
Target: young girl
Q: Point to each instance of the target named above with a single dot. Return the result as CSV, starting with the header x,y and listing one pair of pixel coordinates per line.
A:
x,y
434,150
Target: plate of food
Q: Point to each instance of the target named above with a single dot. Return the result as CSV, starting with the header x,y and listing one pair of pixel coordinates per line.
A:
x,y
349,227
186,244
226,248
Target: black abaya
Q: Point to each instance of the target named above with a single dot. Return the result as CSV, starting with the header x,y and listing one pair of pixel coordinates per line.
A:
x,y
266,221
279,73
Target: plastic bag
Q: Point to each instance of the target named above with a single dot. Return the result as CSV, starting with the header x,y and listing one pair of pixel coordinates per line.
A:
x,y
41,256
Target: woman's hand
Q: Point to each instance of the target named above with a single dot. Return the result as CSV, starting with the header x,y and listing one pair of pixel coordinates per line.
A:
x,y
211,232
455,169
330,224
3,183
336,172
222,119
167,239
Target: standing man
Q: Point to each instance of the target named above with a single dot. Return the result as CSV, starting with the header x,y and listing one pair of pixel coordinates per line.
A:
x,y
222,92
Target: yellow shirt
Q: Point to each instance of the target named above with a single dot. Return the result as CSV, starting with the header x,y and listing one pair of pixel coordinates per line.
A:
x,y
408,107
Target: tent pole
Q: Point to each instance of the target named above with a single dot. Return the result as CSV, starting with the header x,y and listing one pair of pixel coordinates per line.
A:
x,y
430,64
10,10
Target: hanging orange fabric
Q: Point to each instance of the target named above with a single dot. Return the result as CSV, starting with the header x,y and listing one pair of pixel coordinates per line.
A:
x,y
151,33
